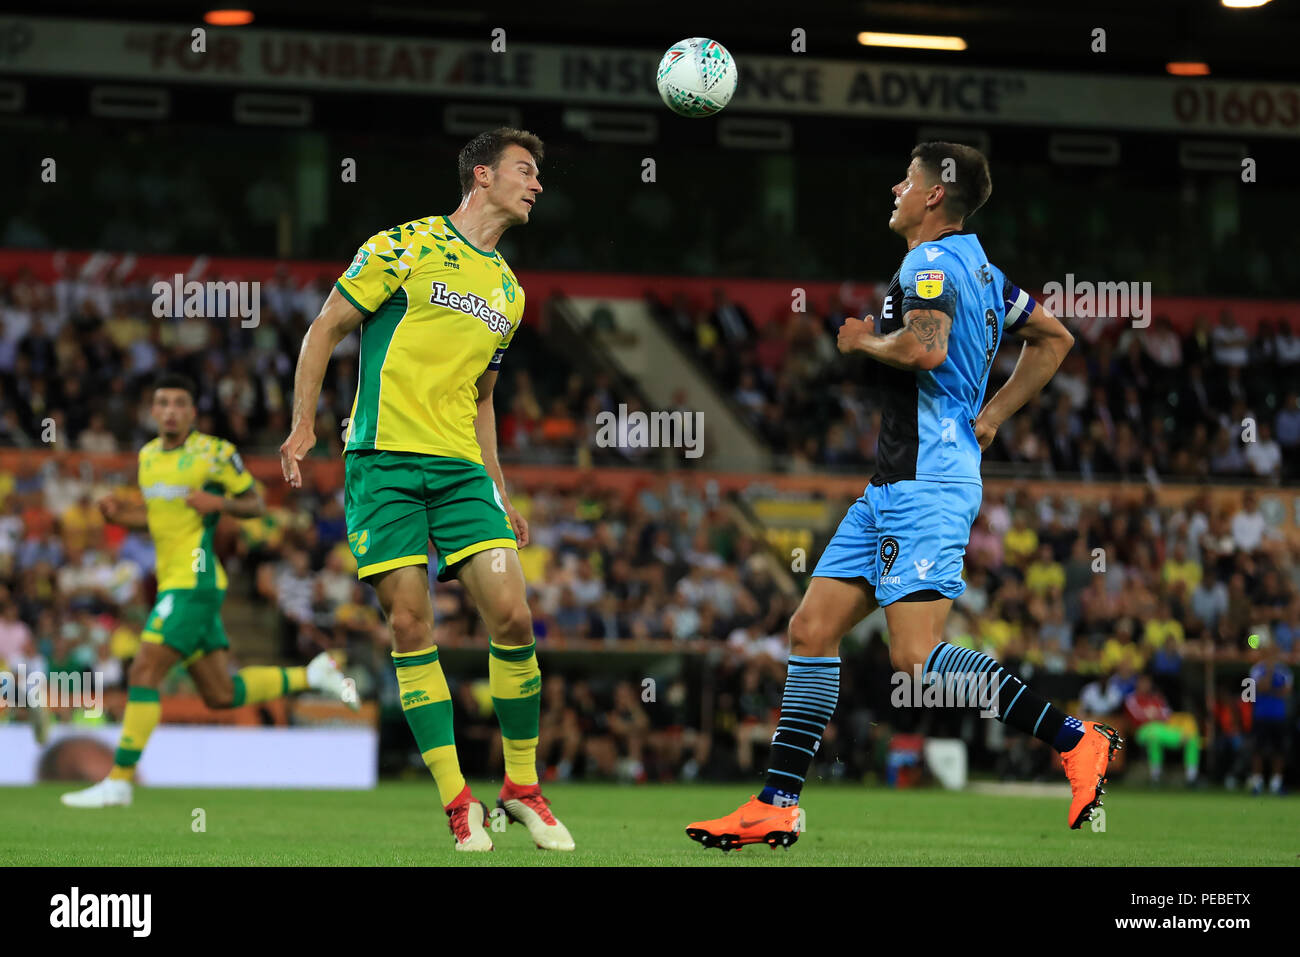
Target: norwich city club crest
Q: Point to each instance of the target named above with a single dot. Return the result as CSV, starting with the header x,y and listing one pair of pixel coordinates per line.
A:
x,y
359,542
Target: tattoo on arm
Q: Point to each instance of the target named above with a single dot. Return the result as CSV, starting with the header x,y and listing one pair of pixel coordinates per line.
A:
x,y
930,326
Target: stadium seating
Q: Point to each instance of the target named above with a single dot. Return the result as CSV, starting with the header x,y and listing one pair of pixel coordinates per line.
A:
x,y
622,565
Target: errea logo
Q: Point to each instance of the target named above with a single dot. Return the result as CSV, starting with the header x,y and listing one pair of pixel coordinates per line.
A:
x,y
471,305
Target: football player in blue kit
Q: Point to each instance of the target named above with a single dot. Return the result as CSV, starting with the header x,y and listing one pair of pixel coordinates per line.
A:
x,y
902,543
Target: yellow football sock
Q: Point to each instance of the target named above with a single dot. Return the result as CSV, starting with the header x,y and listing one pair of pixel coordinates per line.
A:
x,y
143,711
256,685
426,703
516,683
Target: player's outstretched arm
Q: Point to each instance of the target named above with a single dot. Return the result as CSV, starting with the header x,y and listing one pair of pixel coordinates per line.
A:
x,y
128,514
1046,343
337,318
920,346
247,504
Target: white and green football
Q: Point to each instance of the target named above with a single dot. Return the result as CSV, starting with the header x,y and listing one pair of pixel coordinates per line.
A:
x,y
696,77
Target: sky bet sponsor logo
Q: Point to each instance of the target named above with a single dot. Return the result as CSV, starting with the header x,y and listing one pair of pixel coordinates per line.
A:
x,y
471,305
132,911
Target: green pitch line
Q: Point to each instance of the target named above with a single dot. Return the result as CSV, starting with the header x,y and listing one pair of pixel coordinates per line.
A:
x,y
401,823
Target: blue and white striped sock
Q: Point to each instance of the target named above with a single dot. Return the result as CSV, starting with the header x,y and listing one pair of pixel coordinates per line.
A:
x,y
1018,706
812,689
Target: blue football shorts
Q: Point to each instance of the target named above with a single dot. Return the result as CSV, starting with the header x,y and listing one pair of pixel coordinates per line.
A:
x,y
905,537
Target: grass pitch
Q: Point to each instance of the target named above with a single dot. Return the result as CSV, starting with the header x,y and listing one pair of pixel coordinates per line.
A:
x,y
401,823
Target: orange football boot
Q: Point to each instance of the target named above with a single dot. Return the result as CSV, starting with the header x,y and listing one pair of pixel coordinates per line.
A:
x,y
1085,766
752,823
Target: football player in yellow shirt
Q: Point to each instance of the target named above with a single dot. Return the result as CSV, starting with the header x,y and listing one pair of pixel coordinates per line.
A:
x,y
437,306
189,480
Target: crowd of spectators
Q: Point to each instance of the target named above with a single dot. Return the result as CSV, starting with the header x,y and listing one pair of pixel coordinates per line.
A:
x,y
78,357
1105,603
1101,607
1130,582
1082,599
1150,403
1085,598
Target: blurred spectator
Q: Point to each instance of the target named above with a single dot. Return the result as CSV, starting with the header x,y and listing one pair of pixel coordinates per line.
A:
x,y
1100,698
1264,455
1155,730
1231,721
1270,739
15,638
1248,524
1229,343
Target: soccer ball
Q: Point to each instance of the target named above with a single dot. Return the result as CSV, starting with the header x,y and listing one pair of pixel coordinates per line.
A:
x,y
696,77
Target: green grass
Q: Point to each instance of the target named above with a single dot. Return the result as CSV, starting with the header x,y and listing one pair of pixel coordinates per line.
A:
x,y
401,823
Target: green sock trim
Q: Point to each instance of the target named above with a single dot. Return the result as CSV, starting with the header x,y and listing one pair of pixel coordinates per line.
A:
x,y
142,694
431,725
519,717
241,692
126,759
284,682
512,652
415,660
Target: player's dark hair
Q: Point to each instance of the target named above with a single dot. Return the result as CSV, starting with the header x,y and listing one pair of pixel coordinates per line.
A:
x,y
174,380
486,149
966,180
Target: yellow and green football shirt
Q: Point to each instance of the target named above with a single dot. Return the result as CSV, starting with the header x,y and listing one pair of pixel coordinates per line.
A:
x,y
182,537
439,313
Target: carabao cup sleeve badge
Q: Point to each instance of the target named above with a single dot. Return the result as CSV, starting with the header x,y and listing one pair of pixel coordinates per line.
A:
x,y
358,262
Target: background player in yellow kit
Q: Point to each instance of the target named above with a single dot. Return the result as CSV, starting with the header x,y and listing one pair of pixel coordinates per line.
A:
x,y
189,480
437,307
